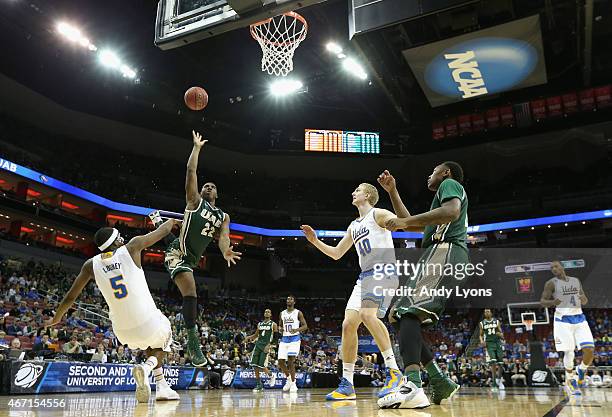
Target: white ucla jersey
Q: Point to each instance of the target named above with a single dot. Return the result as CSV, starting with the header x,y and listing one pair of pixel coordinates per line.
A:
x,y
369,240
568,292
124,288
290,321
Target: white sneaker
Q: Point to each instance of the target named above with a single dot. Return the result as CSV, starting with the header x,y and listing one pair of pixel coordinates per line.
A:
x,y
408,395
272,381
287,385
143,389
500,384
163,392
293,387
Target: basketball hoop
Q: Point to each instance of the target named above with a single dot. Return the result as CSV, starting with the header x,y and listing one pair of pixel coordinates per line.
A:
x,y
279,37
528,324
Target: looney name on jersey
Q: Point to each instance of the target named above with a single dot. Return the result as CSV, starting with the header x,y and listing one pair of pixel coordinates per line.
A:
x,y
112,267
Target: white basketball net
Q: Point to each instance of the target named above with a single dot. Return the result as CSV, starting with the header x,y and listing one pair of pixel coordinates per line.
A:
x,y
279,37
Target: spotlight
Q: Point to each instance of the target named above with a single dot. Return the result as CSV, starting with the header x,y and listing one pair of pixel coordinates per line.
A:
x,y
109,59
69,32
334,48
127,72
285,87
352,66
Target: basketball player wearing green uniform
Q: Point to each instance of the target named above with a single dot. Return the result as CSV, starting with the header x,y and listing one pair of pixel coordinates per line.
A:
x,y
202,222
491,339
444,242
259,357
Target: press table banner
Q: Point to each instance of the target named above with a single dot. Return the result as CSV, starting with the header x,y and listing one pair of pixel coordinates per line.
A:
x,y
46,377
488,61
246,379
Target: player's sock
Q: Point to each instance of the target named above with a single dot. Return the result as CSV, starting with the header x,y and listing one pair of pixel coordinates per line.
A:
x,y
158,375
582,366
568,376
190,311
410,340
414,377
434,371
150,363
347,371
389,358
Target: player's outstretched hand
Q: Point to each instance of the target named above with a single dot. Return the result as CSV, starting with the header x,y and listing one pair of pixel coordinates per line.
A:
x,y
395,223
387,181
231,257
197,139
309,232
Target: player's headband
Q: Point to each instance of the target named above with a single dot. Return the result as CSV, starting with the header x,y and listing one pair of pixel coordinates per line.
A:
x,y
110,240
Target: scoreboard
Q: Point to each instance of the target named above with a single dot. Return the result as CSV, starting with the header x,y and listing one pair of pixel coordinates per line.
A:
x,y
321,140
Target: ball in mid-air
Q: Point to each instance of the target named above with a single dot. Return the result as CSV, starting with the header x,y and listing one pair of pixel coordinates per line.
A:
x,y
196,98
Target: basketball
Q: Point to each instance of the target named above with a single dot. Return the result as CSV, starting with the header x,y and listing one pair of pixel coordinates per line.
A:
x,y
196,98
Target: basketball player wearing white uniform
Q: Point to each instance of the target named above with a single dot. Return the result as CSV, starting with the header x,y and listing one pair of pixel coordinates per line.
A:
x,y
374,245
292,323
571,330
136,320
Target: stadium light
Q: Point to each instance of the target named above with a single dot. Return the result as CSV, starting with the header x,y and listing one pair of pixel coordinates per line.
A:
x,y
109,59
285,87
353,67
334,48
127,72
73,34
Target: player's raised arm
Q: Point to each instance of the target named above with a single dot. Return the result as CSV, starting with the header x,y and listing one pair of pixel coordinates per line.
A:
x,y
77,288
192,195
547,299
139,243
225,245
334,252
387,182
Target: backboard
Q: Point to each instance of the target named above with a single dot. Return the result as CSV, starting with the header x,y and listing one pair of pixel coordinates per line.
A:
x,y
518,312
182,22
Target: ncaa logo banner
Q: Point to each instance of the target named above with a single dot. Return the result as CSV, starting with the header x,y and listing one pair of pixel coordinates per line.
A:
x,y
490,61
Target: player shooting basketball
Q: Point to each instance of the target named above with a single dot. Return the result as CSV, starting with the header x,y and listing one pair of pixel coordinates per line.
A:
x,y
202,222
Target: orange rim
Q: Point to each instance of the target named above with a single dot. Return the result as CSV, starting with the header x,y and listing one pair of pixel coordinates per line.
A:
x,y
263,22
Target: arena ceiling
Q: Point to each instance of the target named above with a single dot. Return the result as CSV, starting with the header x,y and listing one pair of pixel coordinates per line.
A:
x,y
241,114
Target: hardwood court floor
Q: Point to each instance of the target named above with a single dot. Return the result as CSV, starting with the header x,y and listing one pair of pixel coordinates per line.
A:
x,y
469,402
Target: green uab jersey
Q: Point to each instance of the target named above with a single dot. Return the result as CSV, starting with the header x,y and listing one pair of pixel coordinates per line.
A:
x,y
489,329
197,231
455,231
266,331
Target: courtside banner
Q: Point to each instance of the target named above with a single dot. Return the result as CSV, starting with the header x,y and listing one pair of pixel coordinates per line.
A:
x,y
47,377
366,344
489,61
246,379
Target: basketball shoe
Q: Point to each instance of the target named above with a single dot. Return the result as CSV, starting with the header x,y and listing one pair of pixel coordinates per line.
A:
x,y
287,385
293,388
272,381
581,376
407,395
394,379
345,391
163,392
193,348
259,387
143,389
442,388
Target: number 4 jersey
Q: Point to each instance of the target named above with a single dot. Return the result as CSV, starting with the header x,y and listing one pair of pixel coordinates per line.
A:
x,y
197,231
568,292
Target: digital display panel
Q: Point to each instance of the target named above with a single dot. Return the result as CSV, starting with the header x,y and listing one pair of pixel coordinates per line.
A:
x,y
346,141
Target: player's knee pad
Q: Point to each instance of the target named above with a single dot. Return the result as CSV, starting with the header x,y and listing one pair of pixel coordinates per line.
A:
x,y
568,359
